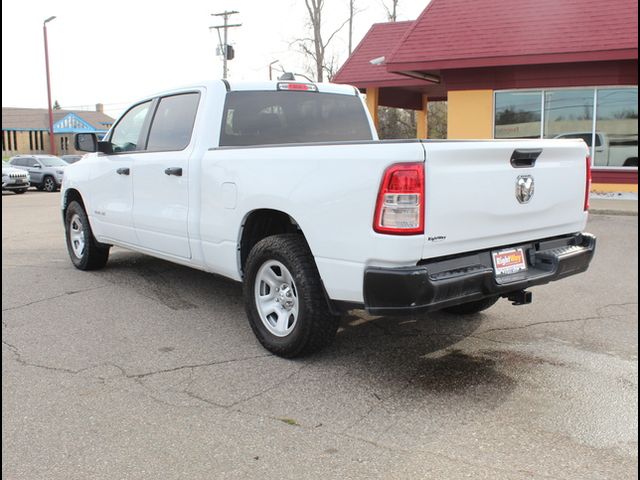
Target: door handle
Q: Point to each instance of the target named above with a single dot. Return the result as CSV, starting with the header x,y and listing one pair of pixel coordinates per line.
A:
x,y
123,171
177,171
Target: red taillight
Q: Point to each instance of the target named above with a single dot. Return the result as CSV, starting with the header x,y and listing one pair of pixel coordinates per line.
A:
x,y
587,187
400,205
305,87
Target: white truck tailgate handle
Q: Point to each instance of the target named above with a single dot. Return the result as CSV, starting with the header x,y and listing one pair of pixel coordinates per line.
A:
x,y
525,157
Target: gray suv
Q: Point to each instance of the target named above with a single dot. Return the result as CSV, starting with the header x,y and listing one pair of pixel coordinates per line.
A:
x,y
46,171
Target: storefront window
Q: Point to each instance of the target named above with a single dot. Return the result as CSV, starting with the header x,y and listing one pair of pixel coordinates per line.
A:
x,y
518,114
617,127
568,112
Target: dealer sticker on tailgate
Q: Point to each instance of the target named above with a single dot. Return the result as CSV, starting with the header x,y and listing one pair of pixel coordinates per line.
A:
x,y
506,262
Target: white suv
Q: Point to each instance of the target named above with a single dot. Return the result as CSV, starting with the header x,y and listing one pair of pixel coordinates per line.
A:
x,y
14,179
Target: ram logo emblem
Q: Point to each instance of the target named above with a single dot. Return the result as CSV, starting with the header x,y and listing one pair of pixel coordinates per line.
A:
x,y
524,188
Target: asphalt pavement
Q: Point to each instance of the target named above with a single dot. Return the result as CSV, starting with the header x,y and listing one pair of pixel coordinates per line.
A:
x,y
148,370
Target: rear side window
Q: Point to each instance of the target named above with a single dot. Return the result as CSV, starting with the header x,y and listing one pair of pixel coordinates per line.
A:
x,y
268,118
584,136
173,122
25,162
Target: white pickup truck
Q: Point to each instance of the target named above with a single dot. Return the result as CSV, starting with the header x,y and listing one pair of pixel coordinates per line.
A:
x,y
617,151
285,187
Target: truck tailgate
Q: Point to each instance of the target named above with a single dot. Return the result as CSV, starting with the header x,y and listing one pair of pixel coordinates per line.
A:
x,y
471,202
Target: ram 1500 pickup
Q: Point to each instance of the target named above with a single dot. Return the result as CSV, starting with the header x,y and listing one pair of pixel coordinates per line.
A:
x,y
285,187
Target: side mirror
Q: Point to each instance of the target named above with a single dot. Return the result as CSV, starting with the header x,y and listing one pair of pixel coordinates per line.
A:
x,y
36,165
86,142
105,147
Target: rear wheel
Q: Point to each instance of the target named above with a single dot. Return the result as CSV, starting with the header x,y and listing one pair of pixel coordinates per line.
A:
x,y
85,252
470,308
284,297
49,184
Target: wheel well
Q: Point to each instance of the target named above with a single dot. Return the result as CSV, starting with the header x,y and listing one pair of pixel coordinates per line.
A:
x,y
261,224
631,162
71,195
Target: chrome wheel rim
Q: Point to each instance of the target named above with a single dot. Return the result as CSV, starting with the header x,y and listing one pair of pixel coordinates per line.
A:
x,y
76,235
49,186
276,298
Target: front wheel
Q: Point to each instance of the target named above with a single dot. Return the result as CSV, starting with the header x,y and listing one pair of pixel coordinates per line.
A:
x,y
49,184
284,297
85,252
20,191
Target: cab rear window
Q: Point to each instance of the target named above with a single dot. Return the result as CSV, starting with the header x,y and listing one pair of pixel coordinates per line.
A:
x,y
281,117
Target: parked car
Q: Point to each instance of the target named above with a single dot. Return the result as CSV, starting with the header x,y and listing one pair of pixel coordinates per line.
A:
x,y
71,158
285,187
620,151
14,179
46,171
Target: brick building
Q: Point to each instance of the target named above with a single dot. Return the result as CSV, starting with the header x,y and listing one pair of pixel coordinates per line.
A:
x,y
515,69
26,130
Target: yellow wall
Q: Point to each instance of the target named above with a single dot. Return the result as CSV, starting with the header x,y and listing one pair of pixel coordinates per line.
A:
x,y
372,104
470,114
422,119
614,187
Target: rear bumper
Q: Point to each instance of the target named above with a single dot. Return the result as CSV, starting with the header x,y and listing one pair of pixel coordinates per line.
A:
x,y
440,283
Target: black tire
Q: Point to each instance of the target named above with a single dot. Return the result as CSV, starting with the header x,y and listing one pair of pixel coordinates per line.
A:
x,y
40,188
631,162
21,191
49,184
94,255
470,308
315,327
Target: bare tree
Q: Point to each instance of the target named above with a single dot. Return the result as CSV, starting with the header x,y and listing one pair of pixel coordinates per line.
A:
x,y
396,123
437,124
315,46
392,13
351,13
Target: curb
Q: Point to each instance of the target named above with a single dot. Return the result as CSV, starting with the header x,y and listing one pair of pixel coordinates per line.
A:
x,y
623,213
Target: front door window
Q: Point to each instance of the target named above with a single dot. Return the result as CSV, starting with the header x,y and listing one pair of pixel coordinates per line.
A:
x,y
127,133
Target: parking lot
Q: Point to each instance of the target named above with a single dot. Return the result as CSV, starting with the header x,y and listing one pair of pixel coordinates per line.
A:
x,y
150,370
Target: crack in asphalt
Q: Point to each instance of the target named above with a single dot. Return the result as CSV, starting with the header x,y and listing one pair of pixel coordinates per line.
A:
x,y
441,455
137,376
70,292
279,383
210,402
124,373
599,316
196,365
18,358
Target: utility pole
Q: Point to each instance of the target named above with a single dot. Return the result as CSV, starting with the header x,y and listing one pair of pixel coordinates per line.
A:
x,y
225,49
52,143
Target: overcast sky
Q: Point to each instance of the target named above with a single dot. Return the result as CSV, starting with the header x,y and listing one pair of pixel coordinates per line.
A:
x,y
117,51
